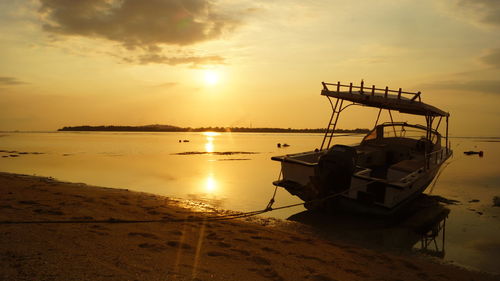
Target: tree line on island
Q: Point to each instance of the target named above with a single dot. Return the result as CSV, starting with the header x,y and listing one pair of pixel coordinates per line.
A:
x,y
169,128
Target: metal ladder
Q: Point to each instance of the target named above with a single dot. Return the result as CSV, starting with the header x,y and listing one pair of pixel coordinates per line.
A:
x,y
332,124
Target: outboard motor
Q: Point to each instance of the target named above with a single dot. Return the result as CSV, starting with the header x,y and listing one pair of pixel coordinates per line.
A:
x,y
335,169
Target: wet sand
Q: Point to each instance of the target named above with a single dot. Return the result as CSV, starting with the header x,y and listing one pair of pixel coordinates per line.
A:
x,y
252,249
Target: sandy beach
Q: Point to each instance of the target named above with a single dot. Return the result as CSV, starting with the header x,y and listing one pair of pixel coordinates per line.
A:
x,y
180,248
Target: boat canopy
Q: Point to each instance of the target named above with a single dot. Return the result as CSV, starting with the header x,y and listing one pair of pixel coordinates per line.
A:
x,y
404,102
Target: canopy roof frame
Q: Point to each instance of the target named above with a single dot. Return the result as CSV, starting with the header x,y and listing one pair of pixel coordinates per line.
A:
x,y
399,100
380,98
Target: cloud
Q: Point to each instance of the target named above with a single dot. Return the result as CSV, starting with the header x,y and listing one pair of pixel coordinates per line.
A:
x,y
167,85
484,11
491,58
193,60
133,23
144,27
10,81
479,86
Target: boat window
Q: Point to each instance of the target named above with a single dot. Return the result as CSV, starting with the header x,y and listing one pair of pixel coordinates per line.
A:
x,y
401,131
371,136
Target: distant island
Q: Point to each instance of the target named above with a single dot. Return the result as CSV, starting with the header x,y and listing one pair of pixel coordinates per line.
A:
x,y
169,128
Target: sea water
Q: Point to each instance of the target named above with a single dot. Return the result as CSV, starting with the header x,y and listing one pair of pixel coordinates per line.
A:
x,y
234,171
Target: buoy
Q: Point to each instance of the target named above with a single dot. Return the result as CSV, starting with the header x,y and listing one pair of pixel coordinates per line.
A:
x,y
470,152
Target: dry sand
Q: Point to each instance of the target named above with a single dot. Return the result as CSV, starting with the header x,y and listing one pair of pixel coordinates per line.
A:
x,y
223,250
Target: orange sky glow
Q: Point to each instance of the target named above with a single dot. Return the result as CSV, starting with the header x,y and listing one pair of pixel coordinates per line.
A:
x,y
242,63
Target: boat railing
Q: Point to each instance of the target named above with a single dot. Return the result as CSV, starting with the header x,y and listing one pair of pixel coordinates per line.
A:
x,y
435,157
373,90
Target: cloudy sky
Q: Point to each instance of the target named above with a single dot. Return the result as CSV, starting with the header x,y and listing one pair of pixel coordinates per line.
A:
x,y
241,63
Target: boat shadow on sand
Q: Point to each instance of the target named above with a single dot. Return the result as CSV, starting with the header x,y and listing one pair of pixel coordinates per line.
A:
x,y
419,227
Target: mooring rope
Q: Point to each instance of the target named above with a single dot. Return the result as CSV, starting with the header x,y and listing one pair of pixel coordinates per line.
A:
x,y
268,208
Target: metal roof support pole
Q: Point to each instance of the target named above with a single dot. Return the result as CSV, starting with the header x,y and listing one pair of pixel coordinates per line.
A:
x,y
428,119
437,126
447,144
378,116
439,123
444,232
392,121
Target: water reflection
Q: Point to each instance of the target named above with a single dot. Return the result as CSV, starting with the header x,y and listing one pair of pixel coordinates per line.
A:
x,y
209,145
432,241
420,228
210,184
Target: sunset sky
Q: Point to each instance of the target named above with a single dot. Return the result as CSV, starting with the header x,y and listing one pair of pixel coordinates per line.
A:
x,y
242,63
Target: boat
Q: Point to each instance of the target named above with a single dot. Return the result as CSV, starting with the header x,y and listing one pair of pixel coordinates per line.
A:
x,y
393,164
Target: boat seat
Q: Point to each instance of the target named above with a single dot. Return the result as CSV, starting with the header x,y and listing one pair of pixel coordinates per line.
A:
x,y
403,168
370,156
408,165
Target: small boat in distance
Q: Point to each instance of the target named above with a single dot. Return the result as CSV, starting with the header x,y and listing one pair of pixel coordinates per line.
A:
x,y
393,164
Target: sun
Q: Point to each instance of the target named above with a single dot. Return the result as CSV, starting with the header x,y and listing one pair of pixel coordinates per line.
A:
x,y
211,77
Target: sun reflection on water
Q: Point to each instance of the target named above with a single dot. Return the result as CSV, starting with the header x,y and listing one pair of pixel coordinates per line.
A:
x,y
211,134
210,184
209,145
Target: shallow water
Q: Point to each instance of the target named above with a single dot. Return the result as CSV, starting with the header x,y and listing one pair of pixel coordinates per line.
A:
x,y
234,171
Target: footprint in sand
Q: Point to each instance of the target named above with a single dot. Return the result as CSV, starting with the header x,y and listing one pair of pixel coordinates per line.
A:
x,y
175,232
384,258
242,252
270,250
268,273
307,240
152,246
258,237
217,254
305,257
177,244
143,234
97,226
423,276
410,265
82,218
101,233
28,202
223,245
54,212
166,216
357,272
259,260
213,236
250,231
320,277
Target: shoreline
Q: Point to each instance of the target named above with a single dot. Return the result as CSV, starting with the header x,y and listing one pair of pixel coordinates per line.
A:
x,y
253,249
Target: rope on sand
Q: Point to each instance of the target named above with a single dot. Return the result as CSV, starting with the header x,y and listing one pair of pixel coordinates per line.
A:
x,y
269,208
